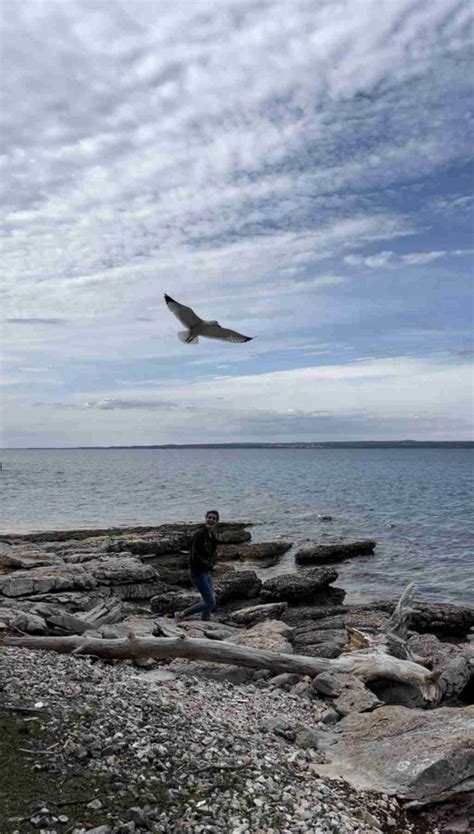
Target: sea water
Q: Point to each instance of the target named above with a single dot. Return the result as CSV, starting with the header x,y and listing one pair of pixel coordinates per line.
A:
x,y
415,503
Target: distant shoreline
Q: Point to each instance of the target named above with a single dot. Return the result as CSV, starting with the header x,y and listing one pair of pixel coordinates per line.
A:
x,y
330,444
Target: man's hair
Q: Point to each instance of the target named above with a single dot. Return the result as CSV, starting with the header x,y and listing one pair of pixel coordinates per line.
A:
x,y
214,512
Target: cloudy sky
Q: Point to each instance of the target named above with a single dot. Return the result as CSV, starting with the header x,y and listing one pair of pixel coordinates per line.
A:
x,y
298,170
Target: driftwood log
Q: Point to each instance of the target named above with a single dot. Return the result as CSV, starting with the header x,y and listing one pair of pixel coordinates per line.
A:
x,y
367,666
384,656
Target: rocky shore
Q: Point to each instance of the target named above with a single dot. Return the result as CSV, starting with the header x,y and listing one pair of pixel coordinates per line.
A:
x,y
193,746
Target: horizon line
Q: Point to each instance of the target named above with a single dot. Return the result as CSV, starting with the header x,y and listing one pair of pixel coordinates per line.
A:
x,y
253,444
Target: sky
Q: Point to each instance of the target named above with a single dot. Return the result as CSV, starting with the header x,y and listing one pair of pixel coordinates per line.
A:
x,y
299,171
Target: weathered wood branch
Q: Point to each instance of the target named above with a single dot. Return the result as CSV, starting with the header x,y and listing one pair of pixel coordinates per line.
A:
x,y
367,666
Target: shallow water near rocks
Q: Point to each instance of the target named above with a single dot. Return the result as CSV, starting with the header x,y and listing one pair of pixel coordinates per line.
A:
x,y
416,503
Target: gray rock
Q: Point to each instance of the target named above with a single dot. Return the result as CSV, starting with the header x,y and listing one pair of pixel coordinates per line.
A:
x,y
297,586
348,691
307,638
257,613
442,618
330,716
284,681
240,584
329,650
283,727
307,738
175,577
433,651
150,546
28,622
391,692
421,756
142,590
260,551
233,535
102,829
173,601
64,622
123,571
45,579
317,554
271,635
20,559
332,683
307,615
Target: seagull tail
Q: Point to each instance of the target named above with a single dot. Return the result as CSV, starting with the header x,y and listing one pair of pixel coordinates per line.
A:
x,y
185,336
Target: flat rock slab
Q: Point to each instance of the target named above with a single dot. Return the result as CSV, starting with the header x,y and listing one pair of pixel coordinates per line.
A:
x,y
260,551
418,755
291,586
271,635
21,559
42,580
308,614
258,613
328,635
82,577
324,554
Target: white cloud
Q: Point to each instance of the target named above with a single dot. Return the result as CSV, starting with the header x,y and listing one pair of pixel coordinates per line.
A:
x,y
391,259
236,154
354,400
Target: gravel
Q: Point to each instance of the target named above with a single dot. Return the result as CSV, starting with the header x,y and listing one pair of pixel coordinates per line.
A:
x,y
179,756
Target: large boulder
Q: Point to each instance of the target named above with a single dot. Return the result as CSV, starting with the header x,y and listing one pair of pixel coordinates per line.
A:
x,y
323,554
418,755
297,586
240,584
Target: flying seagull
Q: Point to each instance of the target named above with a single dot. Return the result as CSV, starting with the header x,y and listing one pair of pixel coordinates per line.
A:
x,y
199,327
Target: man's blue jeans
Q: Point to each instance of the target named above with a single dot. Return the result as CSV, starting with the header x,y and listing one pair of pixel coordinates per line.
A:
x,y
203,582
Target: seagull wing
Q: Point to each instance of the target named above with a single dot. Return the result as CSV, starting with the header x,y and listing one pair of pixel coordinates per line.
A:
x,y
184,314
215,331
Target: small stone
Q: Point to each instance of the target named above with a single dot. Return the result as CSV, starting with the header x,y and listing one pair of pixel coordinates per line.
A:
x,y
307,738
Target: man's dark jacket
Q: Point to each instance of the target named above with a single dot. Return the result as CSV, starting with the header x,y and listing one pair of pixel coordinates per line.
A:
x,y
203,551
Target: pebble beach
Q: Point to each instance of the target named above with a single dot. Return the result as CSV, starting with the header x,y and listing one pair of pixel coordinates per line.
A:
x,y
183,756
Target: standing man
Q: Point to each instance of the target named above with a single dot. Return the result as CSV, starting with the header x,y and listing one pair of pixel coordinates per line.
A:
x,y
202,558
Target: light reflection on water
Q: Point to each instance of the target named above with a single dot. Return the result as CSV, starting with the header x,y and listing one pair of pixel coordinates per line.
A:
x,y
416,503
